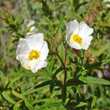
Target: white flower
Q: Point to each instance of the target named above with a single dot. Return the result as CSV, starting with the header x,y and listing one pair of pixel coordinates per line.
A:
x,y
32,52
108,4
78,35
106,0
27,23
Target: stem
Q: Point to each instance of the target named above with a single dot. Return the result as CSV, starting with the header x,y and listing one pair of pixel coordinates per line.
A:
x,y
65,63
65,76
53,53
82,57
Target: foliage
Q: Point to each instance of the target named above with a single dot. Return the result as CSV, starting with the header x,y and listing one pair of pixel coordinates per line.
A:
x,y
73,80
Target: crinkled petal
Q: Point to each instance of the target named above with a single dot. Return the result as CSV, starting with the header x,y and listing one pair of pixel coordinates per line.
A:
x,y
39,66
34,29
27,23
23,47
89,38
44,51
84,30
36,41
72,28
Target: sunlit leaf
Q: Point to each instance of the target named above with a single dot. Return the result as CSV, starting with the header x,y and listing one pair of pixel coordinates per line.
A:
x,y
80,104
8,98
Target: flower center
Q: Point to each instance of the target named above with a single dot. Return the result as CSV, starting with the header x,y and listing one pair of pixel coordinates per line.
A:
x,y
77,39
34,54
30,32
28,67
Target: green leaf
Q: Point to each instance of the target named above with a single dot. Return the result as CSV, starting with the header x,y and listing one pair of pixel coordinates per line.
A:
x,y
2,29
5,16
41,29
57,71
51,63
16,106
2,60
29,73
70,54
17,94
52,84
62,107
93,101
27,103
101,50
60,24
80,104
72,15
8,98
58,38
18,17
83,79
13,81
37,87
96,65
50,26
61,51
74,82
95,109
79,5
94,80
53,104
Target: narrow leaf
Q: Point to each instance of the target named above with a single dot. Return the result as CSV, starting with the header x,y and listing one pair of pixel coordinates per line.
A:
x,y
60,24
80,104
5,16
96,65
94,80
52,84
27,103
41,29
8,98
17,94
73,15
57,71
37,87
18,17
17,105
83,79
93,101
13,81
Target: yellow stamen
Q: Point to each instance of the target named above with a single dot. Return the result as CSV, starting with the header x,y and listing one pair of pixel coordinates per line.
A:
x,y
28,67
34,54
30,31
77,39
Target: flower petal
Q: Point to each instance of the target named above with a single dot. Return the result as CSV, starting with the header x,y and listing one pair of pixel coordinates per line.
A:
x,y
23,47
39,66
34,29
72,28
36,41
27,23
84,30
89,38
44,51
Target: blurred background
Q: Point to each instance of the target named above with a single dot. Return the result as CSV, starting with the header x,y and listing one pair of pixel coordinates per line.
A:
x,y
15,80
